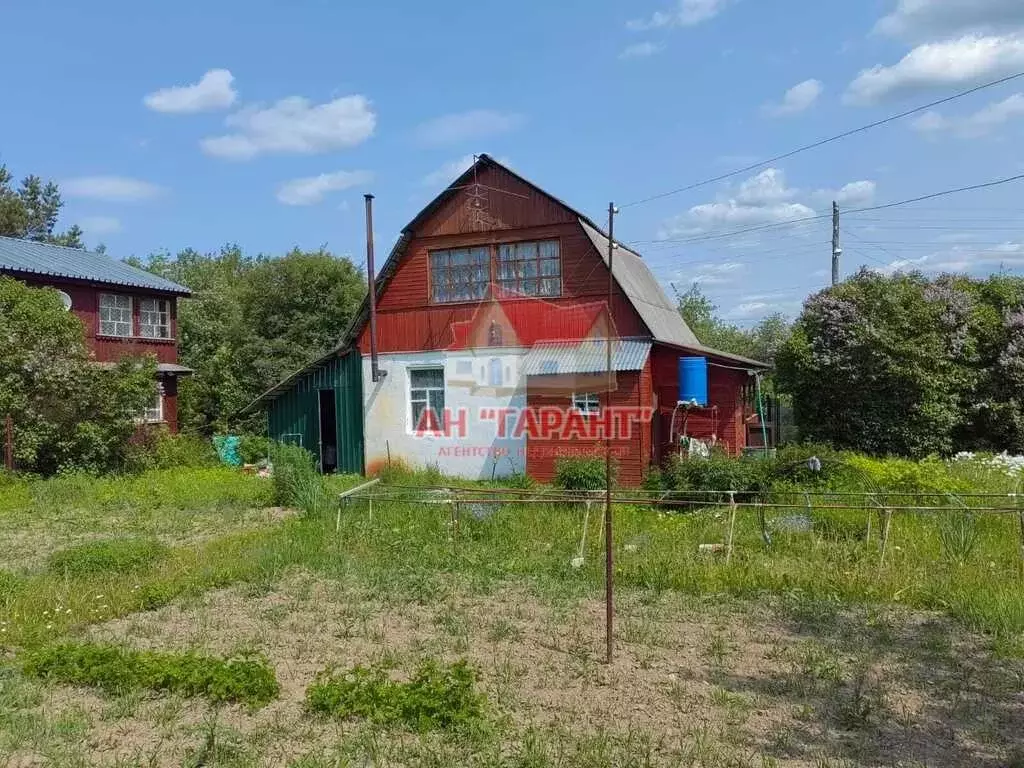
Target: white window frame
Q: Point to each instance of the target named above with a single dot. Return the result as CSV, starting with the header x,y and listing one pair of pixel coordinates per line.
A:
x,y
110,327
154,413
160,309
413,421
586,403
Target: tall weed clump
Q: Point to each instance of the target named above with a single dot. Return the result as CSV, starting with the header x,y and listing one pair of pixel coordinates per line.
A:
x,y
297,483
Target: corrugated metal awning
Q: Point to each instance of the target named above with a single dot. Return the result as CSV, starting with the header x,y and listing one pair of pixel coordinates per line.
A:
x,y
590,356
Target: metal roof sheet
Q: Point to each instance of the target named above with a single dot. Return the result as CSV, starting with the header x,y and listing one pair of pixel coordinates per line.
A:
x,y
637,281
589,356
30,257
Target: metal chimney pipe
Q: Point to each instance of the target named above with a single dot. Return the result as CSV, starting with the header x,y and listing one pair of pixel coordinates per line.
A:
x,y
376,373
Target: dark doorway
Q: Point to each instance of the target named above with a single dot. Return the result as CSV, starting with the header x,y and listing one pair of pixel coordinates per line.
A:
x,y
328,432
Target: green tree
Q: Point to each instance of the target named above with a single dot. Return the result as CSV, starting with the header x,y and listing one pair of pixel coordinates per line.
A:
x,y
761,342
31,211
884,364
295,308
251,321
67,411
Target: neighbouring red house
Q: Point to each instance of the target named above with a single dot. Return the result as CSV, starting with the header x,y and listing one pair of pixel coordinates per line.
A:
x,y
125,310
493,320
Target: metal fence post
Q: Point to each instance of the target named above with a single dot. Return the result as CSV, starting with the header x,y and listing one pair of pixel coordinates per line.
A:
x,y
732,526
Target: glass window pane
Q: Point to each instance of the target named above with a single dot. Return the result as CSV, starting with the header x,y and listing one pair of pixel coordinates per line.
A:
x,y
437,402
526,250
549,249
550,267
428,377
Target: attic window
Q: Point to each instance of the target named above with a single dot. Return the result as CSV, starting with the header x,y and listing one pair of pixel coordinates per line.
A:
x,y
459,274
530,269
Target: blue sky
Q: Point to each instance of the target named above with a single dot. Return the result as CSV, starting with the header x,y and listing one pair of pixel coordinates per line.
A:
x,y
195,124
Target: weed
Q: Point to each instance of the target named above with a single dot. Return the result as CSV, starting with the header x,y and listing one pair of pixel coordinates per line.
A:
x,y
958,534
117,670
436,698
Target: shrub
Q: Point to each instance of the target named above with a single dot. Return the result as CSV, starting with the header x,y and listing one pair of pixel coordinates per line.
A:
x,y
68,413
253,449
116,670
110,556
583,474
435,698
156,448
747,476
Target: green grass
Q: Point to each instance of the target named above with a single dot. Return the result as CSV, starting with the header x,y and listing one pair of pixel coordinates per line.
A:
x,y
407,552
112,555
403,549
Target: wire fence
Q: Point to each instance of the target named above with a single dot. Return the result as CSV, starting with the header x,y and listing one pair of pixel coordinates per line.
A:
x,y
871,526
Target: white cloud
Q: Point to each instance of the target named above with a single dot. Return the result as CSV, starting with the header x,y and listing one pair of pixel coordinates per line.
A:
x,y
641,50
311,190
797,99
852,195
917,18
464,126
964,61
686,13
711,273
980,123
962,258
95,226
764,198
761,199
213,91
295,125
114,189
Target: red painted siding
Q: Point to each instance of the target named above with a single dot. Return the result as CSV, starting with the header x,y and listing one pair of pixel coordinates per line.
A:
x,y
85,304
408,321
722,420
631,452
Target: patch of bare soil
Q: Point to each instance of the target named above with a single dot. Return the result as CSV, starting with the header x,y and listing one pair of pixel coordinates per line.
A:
x,y
706,683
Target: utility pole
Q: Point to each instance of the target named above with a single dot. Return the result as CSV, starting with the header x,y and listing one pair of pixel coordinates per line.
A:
x,y
609,564
837,249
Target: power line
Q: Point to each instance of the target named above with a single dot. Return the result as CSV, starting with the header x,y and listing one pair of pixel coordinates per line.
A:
x,y
823,142
819,217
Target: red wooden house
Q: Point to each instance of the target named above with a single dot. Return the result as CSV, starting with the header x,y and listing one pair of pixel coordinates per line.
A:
x,y
125,310
492,328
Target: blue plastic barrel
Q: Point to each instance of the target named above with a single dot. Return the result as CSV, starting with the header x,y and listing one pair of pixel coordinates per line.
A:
x,y
693,380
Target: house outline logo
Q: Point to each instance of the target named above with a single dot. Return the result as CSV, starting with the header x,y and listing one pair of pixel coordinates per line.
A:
x,y
488,351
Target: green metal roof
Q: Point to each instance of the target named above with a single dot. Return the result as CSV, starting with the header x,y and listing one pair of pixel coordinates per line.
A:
x,y
30,257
